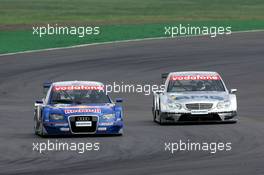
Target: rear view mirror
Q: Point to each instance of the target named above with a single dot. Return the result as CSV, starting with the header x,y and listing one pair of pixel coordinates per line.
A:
x,y
46,86
159,92
164,77
39,102
233,91
119,100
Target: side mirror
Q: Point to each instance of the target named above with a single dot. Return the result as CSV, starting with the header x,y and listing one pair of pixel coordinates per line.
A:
x,y
233,91
159,92
164,77
119,100
39,102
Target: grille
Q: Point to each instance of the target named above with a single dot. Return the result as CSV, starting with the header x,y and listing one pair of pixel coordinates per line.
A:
x,y
199,106
84,129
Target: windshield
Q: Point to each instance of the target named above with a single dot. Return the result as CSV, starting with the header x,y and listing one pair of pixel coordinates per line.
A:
x,y
78,97
195,85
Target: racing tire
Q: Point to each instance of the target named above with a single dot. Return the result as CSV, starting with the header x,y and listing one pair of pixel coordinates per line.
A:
x,y
154,116
120,133
158,119
42,133
153,110
161,121
38,128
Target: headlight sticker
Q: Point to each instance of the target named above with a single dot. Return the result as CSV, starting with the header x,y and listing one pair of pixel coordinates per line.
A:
x,y
108,116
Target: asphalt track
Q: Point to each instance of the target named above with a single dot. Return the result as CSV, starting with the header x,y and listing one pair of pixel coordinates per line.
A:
x,y
239,58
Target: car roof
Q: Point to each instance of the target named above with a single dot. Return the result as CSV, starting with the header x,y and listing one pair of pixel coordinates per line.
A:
x,y
193,73
77,83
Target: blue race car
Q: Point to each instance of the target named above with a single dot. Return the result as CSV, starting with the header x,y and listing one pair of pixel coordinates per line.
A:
x,y
77,107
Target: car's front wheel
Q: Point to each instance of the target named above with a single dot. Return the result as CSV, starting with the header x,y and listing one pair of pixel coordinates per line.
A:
x,y
154,116
36,125
161,120
158,117
38,128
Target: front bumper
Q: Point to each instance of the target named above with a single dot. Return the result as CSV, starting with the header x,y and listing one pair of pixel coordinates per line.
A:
x,y
225,117
63,128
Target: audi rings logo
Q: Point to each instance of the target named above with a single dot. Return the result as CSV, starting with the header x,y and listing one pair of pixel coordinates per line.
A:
x,y
83,118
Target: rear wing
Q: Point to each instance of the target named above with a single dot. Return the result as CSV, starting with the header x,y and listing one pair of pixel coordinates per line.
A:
x,y
46,86
164,77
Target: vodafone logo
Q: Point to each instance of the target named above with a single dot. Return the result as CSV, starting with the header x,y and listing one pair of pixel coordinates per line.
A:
x,y
196,77
70,111
68,88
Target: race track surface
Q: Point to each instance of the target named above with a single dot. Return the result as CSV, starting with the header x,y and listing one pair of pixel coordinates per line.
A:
x,y
239,58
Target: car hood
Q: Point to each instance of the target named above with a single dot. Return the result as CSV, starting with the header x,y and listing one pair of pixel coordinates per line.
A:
x,y
89,109
198,97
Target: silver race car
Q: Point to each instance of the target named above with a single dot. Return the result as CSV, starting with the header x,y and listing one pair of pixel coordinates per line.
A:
x,y
194,97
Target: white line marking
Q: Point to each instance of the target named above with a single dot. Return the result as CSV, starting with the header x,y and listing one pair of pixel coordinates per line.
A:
x,y
120,41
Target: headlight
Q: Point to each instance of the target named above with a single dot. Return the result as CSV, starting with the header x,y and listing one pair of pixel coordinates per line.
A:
x,y
174,106
109,116
56,117
223,104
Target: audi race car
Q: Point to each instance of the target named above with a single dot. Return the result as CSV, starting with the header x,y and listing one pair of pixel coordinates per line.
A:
x,y
77,107
194,97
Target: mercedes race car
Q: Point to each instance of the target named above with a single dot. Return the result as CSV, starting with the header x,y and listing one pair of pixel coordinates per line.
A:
x,y
194,97
77,107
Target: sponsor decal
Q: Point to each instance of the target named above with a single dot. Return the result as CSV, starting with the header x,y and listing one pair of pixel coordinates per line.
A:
x,y
106,123
193,97
67,106
81,107
68,88
196,77
83,123
199,112
70,111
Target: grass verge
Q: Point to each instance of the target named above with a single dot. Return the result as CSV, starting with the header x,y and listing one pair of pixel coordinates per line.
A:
x,y
23,40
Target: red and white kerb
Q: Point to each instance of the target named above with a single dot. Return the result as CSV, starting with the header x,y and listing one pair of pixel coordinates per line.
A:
x,y
196,77
68,88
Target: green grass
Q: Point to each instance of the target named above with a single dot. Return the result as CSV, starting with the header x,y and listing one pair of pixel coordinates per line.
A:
x,y
22,40
118,19
127,11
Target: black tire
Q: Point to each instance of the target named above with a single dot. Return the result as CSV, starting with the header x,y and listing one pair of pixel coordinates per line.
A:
x,y
159,114
36,126
155,116
120,133
41,132
153,110
161,121
39,129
